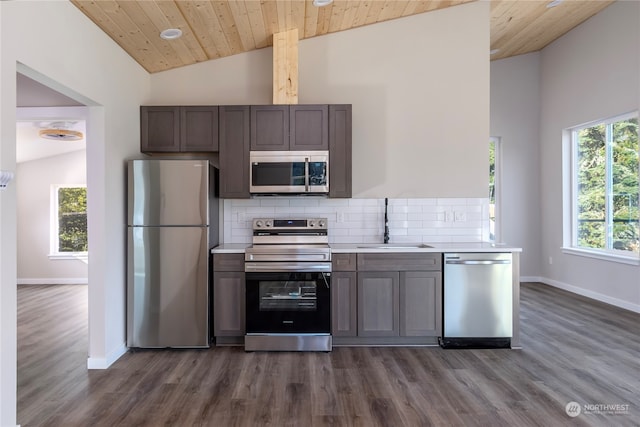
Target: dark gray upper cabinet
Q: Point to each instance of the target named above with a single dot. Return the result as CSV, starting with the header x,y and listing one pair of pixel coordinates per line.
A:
x,y
199,129
234,131
289,127
340,169
308,127
159,129
269,127
170,129
234,151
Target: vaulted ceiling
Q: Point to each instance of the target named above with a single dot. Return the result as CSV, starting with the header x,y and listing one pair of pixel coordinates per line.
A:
x,y
215,28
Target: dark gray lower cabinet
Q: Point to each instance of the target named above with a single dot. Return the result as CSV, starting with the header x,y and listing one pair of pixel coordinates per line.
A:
x,y
378,304
228,295
344,304
399,294
420,303
344,295
228,304
405,303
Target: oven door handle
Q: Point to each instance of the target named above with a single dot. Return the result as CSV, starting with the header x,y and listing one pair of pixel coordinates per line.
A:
x,y
293,258
324,277
271,267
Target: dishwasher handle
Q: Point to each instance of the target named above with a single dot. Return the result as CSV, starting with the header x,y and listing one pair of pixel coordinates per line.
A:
x,y
478,261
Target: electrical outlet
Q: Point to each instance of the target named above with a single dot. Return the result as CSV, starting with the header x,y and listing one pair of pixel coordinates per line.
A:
x,y
339,216
550,260
448,216
460,216
241,217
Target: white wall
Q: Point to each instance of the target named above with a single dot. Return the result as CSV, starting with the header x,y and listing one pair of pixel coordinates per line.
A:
x,y
79,60
419,88
33,186
590,73
515,118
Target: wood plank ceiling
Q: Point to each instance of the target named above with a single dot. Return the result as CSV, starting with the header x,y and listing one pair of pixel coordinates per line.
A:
x,y
215,28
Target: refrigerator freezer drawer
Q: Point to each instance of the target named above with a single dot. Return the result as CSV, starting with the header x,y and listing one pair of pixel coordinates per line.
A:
x,y
168,192
167,289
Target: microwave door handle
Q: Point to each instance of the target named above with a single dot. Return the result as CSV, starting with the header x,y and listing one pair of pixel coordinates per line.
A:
x,y
306,174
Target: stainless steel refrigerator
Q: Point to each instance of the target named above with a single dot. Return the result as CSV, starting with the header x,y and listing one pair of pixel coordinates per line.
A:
x,y
172,224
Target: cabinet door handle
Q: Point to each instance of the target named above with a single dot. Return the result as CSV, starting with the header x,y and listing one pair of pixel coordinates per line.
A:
x,y
306,174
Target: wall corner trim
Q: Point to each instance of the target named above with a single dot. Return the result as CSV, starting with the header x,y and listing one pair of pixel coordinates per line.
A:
x,y
104,363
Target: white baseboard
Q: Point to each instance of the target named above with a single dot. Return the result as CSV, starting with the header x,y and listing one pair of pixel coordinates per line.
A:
x,y
530,279
104,363
59,281
585,293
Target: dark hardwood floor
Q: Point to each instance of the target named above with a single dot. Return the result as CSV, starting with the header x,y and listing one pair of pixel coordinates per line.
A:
x,y
575,349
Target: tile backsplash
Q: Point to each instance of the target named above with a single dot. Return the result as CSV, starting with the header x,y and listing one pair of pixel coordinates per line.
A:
x,y
435,220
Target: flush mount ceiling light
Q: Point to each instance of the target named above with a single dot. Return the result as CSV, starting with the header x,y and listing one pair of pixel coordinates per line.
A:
x,y
494,51
554,3
60,131
171,34
320,3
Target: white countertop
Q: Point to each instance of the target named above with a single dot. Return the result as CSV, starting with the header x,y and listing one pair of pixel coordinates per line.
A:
x,y
419,247
230,248
399,247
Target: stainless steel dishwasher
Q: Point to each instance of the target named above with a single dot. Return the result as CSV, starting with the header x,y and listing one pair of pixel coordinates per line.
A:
x,y
477,295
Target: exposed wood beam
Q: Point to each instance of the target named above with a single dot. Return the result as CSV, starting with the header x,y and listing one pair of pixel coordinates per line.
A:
x,y
285,67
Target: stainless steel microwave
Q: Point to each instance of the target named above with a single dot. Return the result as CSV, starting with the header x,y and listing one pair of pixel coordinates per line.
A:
x,y
289,172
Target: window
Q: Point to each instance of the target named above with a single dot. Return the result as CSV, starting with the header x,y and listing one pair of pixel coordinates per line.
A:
x,y
494,187
604,186
68,221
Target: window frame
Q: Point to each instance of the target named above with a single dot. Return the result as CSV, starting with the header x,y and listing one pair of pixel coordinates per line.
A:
x,y
570,169
54,228
497,189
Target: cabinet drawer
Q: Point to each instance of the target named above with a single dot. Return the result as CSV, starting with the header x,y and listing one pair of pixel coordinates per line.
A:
x,y
405,261
228,262
343,262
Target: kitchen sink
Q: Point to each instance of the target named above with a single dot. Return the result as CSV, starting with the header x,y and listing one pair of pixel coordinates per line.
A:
x,y
420,246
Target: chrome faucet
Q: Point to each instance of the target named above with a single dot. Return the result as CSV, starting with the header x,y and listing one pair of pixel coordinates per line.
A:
x,y
386,221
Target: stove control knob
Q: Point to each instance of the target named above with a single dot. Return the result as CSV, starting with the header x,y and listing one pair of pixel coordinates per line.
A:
x,y
268,223
322,223
259,223
311,223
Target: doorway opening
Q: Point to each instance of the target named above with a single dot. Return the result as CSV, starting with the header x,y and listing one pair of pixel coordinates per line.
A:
x,y
52,289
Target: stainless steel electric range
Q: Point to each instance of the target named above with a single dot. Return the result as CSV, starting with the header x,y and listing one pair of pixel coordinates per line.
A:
x,y
288,278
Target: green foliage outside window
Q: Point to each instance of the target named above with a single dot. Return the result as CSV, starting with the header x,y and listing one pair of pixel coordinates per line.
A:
x,y
72,219
607,186
492,190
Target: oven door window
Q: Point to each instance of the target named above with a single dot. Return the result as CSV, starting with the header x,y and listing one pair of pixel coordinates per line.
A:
x,y
290,295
